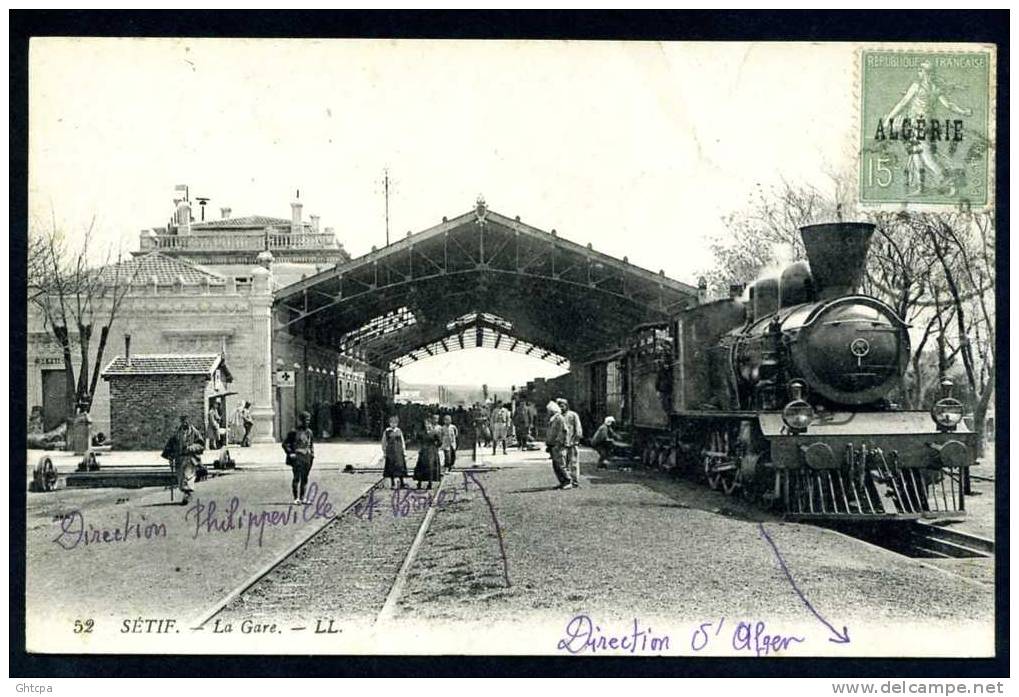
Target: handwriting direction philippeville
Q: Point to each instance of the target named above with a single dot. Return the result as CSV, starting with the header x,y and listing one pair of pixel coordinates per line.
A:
x,y
208,518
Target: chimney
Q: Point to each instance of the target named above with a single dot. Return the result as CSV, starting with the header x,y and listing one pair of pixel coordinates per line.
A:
x,y
183,218
295,216
314,223
127,349
224,212
836,252
702,290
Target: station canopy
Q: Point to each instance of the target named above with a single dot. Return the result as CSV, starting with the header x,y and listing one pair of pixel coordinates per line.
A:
x,y
479,279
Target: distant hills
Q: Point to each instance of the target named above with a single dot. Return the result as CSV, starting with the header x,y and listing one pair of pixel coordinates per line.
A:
x,y
451,395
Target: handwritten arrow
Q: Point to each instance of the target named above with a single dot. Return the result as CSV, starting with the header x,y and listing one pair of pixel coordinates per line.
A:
x,y
839,638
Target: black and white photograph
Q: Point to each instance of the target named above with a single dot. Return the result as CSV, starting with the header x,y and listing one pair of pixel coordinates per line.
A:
x,y
510,347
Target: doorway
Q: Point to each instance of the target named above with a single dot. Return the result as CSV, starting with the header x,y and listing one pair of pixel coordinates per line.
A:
x,y
54,398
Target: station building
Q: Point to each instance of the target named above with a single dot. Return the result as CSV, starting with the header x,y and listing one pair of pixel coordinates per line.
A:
x,y
204,287
304,327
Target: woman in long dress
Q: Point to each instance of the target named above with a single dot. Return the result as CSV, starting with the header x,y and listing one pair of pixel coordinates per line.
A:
x,y
235,432
392,450
428,468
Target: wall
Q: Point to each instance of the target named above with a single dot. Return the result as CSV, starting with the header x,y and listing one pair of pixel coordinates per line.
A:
x,y
161,320
315,380
145,409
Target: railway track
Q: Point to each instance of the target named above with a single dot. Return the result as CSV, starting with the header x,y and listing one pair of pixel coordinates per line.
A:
x,y
920,540
933,541
352,567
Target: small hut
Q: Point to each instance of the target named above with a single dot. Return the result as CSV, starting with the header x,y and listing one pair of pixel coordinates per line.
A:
x,y
148,393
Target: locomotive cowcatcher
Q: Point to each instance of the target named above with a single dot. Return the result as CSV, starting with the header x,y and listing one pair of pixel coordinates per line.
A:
x,y
786,394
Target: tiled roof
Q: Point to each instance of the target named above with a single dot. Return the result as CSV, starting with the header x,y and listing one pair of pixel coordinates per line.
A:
x,y
255,221
166,364
167,271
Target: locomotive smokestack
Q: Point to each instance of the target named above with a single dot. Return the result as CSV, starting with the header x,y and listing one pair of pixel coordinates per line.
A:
x,y
837,252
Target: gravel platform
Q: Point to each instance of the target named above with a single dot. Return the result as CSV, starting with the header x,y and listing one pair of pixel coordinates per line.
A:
x,y
345,572
173,574
629,544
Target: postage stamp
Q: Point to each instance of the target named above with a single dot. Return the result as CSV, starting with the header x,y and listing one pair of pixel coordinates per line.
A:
x,y
926,136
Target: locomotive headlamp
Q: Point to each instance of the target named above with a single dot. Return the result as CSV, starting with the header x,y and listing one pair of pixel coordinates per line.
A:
x,y
797,414
947,411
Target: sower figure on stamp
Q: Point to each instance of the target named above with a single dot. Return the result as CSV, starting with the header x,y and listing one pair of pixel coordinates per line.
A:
x,y
299,446
574,432
183,450
393,447
555,443
920,103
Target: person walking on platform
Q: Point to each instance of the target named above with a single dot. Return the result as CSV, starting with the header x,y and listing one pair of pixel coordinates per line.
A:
x,y
427,468
555,444
602,441
299,446
234,431
521,423
393,447
450,434
247,423
184,450
574,432
212,426
500,427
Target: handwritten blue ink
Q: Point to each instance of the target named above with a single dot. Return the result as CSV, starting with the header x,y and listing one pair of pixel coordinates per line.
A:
x,y
75,531
406,501
470,477
754,638
584,635
366,506
838,638
209,520
703,632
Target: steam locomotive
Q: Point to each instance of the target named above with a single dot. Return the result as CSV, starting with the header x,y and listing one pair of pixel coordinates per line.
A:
x,y
785,394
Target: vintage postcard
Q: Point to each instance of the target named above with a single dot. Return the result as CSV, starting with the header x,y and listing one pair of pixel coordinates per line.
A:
x,y
554,348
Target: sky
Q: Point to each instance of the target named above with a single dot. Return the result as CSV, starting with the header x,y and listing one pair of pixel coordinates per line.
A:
x,y
639,148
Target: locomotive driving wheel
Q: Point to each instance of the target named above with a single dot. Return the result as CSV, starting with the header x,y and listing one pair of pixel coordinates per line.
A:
x,y
721,466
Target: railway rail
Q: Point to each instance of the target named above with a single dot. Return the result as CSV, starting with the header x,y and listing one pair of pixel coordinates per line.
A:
x,y
320,558
920,540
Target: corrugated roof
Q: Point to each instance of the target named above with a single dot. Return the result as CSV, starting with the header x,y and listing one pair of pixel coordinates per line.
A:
x,y
167,271
259,221
165,364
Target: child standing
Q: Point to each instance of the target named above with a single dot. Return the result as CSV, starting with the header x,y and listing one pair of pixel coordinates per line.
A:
x,y
392,450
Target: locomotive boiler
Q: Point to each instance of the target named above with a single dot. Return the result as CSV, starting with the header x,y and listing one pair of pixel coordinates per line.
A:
x,y
787,394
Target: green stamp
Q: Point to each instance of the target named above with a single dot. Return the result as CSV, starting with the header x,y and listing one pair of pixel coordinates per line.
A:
x,y
925,127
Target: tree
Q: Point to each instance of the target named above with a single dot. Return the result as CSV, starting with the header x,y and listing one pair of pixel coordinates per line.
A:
x,y
964,245
75,299
900,271
767,233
